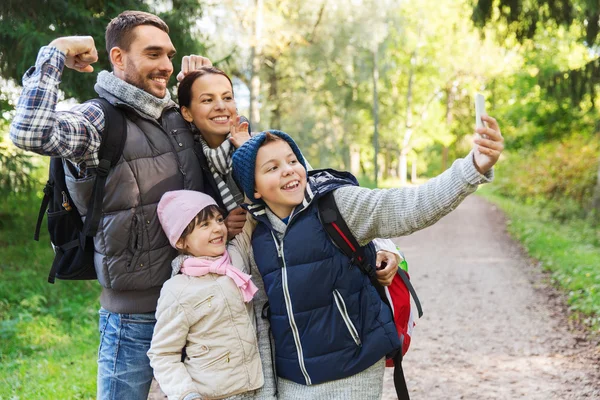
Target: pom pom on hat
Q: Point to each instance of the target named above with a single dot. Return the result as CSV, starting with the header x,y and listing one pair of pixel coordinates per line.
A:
x,y
176,209
244,160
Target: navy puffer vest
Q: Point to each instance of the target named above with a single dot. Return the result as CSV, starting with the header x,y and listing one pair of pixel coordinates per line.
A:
x,y
328,321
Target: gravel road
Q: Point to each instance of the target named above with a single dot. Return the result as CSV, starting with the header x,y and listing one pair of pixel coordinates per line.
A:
x,y
493,328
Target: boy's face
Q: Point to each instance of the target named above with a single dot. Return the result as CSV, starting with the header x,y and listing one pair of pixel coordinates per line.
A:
x,y
279,178
208,238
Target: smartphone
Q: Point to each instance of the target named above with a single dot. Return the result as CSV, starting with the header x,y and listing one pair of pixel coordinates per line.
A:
x,y
479,110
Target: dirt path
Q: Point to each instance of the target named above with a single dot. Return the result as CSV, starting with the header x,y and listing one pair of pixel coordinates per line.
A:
x,y
492,329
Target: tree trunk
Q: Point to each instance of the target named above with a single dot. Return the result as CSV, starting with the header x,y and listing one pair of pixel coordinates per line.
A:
x,y
355,165
408,127
255,63
402,168
387,160
413,174
375,114
450,98
595,203
274,97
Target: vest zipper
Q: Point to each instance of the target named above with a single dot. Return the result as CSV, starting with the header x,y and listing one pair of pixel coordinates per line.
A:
x,y
290,311
341,305
171,137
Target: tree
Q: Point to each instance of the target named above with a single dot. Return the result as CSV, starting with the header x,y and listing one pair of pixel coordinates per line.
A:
x,y
526,18
25,26
559,83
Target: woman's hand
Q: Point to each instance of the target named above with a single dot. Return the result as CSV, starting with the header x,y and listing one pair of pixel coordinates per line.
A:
x,y
239,131
235,222
488,145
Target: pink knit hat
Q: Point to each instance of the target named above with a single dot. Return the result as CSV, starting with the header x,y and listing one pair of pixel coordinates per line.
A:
x,y
178,208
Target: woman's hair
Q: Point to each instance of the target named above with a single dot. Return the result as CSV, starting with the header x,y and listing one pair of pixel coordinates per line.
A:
x,y
205,214
184,91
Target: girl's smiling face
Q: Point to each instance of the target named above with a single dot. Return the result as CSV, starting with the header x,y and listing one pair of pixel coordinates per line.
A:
x,y
212,108
279,178
208,239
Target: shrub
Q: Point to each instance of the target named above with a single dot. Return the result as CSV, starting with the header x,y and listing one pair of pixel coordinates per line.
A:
x,y
558,176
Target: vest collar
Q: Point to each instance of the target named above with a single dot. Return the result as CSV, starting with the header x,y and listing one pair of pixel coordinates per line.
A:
x,y
262,213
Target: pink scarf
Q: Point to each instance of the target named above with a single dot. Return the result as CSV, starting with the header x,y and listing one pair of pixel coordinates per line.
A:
x,y
194,266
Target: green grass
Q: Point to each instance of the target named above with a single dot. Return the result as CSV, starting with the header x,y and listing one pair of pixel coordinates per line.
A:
x,y
48,333
569,250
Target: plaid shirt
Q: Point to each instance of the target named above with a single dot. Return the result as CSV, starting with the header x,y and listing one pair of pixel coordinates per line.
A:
x,y
38,127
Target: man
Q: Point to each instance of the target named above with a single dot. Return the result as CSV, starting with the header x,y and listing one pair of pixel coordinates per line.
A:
x,y
133,255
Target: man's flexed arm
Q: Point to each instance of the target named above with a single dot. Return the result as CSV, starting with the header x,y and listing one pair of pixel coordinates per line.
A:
x,y
37,126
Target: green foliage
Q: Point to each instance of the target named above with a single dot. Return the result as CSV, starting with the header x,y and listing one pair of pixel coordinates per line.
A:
x,y
558,175
28,25
569,250
532,20
20,171
16,167
525,17
48,333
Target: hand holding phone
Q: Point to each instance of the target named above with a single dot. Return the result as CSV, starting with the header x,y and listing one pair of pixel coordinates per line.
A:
x,y
479,111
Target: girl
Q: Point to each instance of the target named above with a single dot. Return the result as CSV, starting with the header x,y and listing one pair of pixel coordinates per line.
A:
x,y
331,331
205,306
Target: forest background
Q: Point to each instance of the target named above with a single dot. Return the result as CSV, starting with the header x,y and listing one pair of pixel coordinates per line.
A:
x,y
383,88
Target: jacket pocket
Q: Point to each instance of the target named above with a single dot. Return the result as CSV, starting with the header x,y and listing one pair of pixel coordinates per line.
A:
x,y
135,242
205,302
197,350
341,305
223,358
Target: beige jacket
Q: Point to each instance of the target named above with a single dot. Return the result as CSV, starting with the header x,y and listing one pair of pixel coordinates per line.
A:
x,y
208,317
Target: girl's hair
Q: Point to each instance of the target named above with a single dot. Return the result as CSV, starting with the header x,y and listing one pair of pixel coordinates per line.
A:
x,y
184,91
205,214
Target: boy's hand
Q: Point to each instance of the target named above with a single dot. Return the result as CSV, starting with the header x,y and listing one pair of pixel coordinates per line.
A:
x,y
488,145
80,51
192,63
235,222
390,263
239,132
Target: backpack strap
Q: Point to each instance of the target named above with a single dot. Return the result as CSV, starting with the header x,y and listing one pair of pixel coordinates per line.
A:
x,y
43,207
338,231
111,149
342,237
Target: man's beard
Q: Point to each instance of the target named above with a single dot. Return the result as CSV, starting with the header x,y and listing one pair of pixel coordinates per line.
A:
x,y
133,77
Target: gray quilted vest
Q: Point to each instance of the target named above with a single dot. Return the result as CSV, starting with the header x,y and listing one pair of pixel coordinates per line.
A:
x,y
131,251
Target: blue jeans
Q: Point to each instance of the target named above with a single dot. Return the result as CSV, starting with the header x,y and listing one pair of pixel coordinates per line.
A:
x,y
124,370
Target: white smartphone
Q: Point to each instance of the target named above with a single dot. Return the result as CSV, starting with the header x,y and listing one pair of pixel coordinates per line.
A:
x,y
479,110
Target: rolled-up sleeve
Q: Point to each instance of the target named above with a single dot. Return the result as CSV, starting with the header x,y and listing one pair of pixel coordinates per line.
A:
x,y
38,127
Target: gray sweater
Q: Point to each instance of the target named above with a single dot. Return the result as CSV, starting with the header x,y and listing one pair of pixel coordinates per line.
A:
x,y
383,213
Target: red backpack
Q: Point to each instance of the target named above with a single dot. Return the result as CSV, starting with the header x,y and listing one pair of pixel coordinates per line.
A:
x,y
396,296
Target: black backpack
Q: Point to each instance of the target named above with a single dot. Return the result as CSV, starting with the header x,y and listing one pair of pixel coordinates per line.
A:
x,y
71,238
401,290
